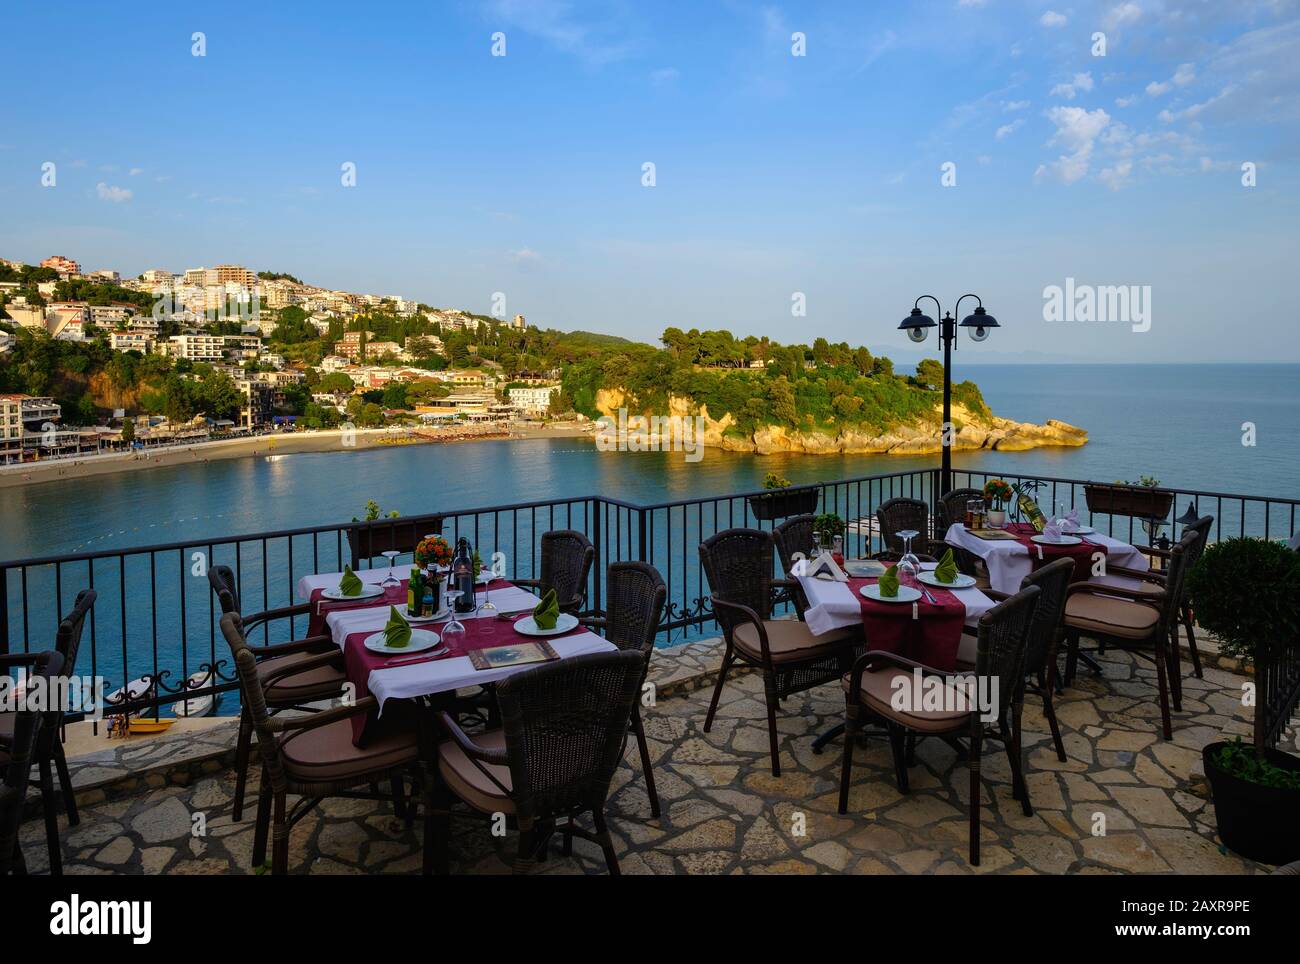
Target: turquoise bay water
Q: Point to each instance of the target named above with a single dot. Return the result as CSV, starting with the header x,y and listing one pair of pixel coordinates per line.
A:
x,y
1181,424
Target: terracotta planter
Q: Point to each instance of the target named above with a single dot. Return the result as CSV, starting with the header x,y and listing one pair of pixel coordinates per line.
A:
x,y
372,539
1137,501
1255,821
782,503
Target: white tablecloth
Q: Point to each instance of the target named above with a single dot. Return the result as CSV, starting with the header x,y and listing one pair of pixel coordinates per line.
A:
x,y
832,605
330,580
1009,562
442,675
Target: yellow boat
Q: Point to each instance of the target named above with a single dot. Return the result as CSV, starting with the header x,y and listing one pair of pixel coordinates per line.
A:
x,y
147,725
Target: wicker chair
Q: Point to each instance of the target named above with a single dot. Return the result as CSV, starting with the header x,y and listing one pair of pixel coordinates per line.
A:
x,y
794,538
313,757
292,674
1003,636
567,557
952,507
738,565
563,728
635,595
16,763
895,515
1132,618
1053,581
49,747
1156,577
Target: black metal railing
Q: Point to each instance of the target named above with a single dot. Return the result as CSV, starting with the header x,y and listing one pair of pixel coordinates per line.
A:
x,y
156,618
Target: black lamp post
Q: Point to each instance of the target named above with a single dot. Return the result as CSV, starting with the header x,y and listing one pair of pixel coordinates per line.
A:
x,y
917,326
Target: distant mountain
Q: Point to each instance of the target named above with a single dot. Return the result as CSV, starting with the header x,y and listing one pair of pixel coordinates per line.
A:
x,y
593,339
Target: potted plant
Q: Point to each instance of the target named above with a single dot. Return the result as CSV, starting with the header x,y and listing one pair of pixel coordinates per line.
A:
x,y
369,537
782,500
1143,499
433,550
1247,593
997,492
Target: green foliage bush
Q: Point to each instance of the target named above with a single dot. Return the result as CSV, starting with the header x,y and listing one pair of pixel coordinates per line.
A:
x,y
1247,593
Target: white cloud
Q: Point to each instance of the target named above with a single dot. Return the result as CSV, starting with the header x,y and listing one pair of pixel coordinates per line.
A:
x,y
1081,82
1156,88
1077,131
1010,105
1053,19
1127,101
1184,75
589,38
1006,130
1122,15
136,171
1117,176
112,193
525,256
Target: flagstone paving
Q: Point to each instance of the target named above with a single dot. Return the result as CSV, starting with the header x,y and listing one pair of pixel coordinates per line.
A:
x,y
1125,801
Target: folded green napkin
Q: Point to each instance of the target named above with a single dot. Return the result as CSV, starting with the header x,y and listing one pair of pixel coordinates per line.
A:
x,y
397,633
946,571
350,584
889,582
547,612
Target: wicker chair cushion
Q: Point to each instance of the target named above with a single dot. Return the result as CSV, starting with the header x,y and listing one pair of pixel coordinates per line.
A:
x,y
468,782
326,754
1110,615
788,640
877,695
1129,583
314,683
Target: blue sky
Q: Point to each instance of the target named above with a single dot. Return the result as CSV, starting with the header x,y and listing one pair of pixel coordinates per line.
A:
x,y
775,174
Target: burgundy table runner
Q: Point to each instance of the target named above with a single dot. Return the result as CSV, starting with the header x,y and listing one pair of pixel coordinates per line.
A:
x,y
480,633
932,638
1082,553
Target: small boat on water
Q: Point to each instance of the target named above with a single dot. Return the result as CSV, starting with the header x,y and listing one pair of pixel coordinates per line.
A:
x,y
150,724
137,689
197,705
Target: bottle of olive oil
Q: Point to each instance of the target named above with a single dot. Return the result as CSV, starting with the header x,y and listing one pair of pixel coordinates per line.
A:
x,y
414,593
1029,508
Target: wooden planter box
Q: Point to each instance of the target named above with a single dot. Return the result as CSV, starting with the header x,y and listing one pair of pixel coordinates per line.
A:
x,y
370,539
1131,500
783,503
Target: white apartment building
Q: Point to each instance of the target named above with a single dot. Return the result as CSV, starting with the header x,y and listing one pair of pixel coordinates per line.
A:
x,y
533,399
206,348
131,341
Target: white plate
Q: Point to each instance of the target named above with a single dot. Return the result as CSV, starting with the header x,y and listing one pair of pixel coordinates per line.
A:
x,y
415,620
528,627
1063,541
906,594
1079,531
421,639
963,581
367,592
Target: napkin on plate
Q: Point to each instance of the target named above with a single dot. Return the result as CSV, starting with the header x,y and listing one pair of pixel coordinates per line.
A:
x,y
1052,533
946,571
547,612
1072,517
397,632
888,584
350,584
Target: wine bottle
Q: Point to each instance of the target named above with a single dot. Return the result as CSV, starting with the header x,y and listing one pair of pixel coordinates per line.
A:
x,y
1030,509
462,568
413,592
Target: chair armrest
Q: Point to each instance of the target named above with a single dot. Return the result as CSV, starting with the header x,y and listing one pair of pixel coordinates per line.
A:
x,y
861,664
310,644
1146,575
996,594
528,583
595,622
1154,551
298,665
309,721
18,659
750,616
1147,598
271,615
468,746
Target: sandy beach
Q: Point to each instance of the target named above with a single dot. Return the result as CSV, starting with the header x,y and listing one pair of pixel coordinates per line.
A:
x,y
86,466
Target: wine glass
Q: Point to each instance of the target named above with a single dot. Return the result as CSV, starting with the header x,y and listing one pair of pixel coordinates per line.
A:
x,y
454,630
817,543
487,605
391,583
908,564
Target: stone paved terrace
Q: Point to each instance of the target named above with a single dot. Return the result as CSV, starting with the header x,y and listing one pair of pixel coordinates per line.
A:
x,y
724,812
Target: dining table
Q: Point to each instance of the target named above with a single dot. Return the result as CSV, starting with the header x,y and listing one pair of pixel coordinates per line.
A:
x,y
1014,555
930,630
446,668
